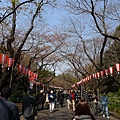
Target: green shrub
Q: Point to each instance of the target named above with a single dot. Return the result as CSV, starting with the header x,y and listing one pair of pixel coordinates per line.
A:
x,y
114,102
118,93
17,96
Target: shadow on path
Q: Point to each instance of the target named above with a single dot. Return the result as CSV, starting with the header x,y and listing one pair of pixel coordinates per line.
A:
x,y
58,114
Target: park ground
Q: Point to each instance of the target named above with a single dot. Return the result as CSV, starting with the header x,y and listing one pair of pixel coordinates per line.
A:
x,y
66,114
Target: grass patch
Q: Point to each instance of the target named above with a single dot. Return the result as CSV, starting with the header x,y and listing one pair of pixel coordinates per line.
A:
x,y
114,103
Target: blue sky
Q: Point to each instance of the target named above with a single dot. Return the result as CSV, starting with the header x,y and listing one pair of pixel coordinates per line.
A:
x,y
54,16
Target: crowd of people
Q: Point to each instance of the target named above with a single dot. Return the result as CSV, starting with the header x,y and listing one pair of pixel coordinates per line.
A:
x,y
30,105
90,99
49,99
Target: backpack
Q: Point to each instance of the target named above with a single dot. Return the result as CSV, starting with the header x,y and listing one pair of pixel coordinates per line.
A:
x,y
73,96
30,111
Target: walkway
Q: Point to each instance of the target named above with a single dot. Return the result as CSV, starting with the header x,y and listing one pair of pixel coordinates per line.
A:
x,y
63,114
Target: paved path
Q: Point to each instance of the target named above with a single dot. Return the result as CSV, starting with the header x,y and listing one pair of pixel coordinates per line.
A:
x,y
63,114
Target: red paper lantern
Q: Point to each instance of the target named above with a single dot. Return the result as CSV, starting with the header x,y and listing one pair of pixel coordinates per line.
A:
x,y
118,68
19,68
31,78
86,79
3,59
98,75
10,62
106,72
93,75
29,73
110,70
90,77
23,70
33,74
102,73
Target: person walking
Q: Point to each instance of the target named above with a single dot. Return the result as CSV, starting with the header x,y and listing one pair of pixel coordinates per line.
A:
x,y
56,97
104,103
47,100
69,100
89,94
8,109
73,97
82,111
42,99
51,98
61,98
37,100
28,106
77,98
95,102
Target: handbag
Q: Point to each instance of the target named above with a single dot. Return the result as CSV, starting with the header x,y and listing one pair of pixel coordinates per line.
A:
x,y
33,110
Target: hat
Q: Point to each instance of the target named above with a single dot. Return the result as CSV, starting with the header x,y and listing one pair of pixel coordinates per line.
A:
x,y
41,91
51,91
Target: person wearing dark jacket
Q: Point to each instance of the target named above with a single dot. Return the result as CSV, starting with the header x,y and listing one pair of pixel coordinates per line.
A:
x,y
61,97
51,98
8,110
29,102
69,100
77,98
42,99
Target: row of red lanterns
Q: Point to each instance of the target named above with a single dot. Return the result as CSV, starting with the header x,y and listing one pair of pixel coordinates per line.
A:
x,y
23,70
97,75
4,59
